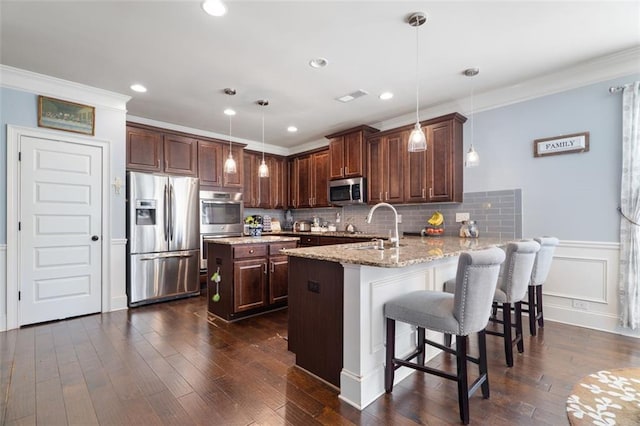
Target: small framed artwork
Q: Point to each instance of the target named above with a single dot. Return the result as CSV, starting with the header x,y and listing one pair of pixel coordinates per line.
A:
x,y
65,115
565,144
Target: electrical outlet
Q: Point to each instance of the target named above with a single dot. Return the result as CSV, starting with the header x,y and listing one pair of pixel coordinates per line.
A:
x,y
399,218
461,217
583,305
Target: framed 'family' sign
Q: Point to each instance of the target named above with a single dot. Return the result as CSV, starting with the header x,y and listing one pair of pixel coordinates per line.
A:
x,y
566,144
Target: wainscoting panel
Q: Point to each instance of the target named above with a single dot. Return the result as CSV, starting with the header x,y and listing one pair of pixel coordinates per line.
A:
x,y
582,287
118,284
3,287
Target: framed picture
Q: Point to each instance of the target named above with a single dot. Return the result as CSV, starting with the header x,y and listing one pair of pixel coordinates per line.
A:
x,y
64,115
566,144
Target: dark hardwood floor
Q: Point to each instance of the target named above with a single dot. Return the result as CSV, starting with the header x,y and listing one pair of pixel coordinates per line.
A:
x,y
166,364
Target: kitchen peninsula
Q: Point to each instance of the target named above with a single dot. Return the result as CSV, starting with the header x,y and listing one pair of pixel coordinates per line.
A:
x,y
336,299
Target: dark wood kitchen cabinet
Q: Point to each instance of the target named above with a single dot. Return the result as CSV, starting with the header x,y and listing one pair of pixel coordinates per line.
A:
x,y
254,278
269,192
385,158
211,158
180,155
310,172
145,151
436,174
347,153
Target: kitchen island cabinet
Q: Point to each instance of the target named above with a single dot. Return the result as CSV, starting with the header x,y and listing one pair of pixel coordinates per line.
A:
x,y
351,283
254,275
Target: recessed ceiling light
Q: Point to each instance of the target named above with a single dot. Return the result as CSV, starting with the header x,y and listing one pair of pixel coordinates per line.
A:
x,y
386,96
318,63
229,111
138,88
214,7
292,129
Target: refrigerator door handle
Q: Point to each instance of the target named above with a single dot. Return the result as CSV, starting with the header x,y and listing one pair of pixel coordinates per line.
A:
x,y
171,211
166,256
166,210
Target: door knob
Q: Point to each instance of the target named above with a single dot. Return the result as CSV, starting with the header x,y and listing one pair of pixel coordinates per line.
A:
x,y
95,238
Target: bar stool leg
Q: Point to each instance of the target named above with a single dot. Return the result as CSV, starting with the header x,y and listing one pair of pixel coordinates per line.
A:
x,y
508,343
539,314
463,388
482,349
389,367
519,337
532,309
420,359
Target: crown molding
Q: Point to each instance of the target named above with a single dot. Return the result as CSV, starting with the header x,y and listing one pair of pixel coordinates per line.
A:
x,y
251,145
27,81
618,64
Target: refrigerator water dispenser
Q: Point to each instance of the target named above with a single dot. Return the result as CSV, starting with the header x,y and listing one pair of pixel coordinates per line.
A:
x,y
145,212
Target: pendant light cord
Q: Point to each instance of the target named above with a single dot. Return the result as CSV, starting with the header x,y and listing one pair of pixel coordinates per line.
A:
x,y
417,73
230,149
263,135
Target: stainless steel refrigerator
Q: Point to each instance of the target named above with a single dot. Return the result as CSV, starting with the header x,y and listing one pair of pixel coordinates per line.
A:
x,y
163,231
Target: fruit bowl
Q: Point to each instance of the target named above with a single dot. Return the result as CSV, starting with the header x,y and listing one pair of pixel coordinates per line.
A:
x,y
432,231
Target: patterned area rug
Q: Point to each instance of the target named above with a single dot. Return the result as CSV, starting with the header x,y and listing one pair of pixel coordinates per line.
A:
x,y
608,397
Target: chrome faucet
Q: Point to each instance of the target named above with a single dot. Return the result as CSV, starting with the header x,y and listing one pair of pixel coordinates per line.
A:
x,y
395,239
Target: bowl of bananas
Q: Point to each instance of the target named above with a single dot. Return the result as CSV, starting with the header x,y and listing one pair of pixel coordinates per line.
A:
x,y
435,226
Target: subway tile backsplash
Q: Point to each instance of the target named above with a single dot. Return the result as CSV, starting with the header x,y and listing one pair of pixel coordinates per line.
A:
x,y
497,213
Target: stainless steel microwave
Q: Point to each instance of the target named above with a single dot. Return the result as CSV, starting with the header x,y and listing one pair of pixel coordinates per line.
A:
x,y
348,191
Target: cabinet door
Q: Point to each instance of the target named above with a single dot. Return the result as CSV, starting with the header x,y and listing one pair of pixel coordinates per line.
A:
x,y
263,184
354,164
375,180
393,167
320,180
232,180
278,183
249,284
440,170
303,182
336,158
250,177
180,155
210,163
144,150
278,279
415,184
292,183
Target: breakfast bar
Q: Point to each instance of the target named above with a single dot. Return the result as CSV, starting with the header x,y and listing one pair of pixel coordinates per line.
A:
x,y
336,299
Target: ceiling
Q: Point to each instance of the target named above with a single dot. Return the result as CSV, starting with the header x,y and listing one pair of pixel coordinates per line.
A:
x,y
186,58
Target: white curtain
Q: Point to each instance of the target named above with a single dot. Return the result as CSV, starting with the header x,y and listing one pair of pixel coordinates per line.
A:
x,y
630,209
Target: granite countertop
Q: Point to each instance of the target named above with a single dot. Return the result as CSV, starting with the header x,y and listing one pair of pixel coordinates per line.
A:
x,y
362,235
412,250
251,240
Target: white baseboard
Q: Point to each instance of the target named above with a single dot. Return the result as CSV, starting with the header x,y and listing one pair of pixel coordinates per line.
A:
x,y
3,287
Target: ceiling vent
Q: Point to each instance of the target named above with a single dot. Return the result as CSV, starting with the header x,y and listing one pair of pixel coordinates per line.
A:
x,y
351,96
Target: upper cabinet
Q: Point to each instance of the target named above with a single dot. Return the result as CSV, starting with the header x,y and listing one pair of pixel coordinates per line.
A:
x,y
156,150
435,175
268,192
309,180
145,151
347,152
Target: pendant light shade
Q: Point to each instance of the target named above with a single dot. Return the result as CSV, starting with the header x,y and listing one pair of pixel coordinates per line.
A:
x,y
263,170
230,167
417,139
472,159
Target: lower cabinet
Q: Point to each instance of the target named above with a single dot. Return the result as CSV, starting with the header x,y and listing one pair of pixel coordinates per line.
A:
x,y
254,278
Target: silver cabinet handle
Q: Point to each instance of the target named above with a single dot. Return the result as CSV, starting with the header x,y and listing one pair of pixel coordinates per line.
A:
x,y
251,251
273,267
423,193
380,196
430,192
386,195
265,268
346,170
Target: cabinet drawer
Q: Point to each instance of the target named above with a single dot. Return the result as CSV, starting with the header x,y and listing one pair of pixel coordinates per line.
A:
x,y
251,250
309,241
274,248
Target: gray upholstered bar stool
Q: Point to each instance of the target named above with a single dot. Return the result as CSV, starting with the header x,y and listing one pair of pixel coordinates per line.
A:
x,y
539,275
512,286
464,312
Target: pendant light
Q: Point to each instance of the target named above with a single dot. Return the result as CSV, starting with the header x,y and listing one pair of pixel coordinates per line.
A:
x,y
230,167
417,139
472,159
263,170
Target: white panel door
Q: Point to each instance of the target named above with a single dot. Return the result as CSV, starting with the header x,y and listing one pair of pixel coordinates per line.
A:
x,y
60,236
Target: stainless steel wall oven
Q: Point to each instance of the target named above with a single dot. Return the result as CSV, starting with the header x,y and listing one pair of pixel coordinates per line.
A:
x,y
221,215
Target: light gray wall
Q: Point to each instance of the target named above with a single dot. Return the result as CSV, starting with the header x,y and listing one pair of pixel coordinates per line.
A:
x,y
20,109
571,196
